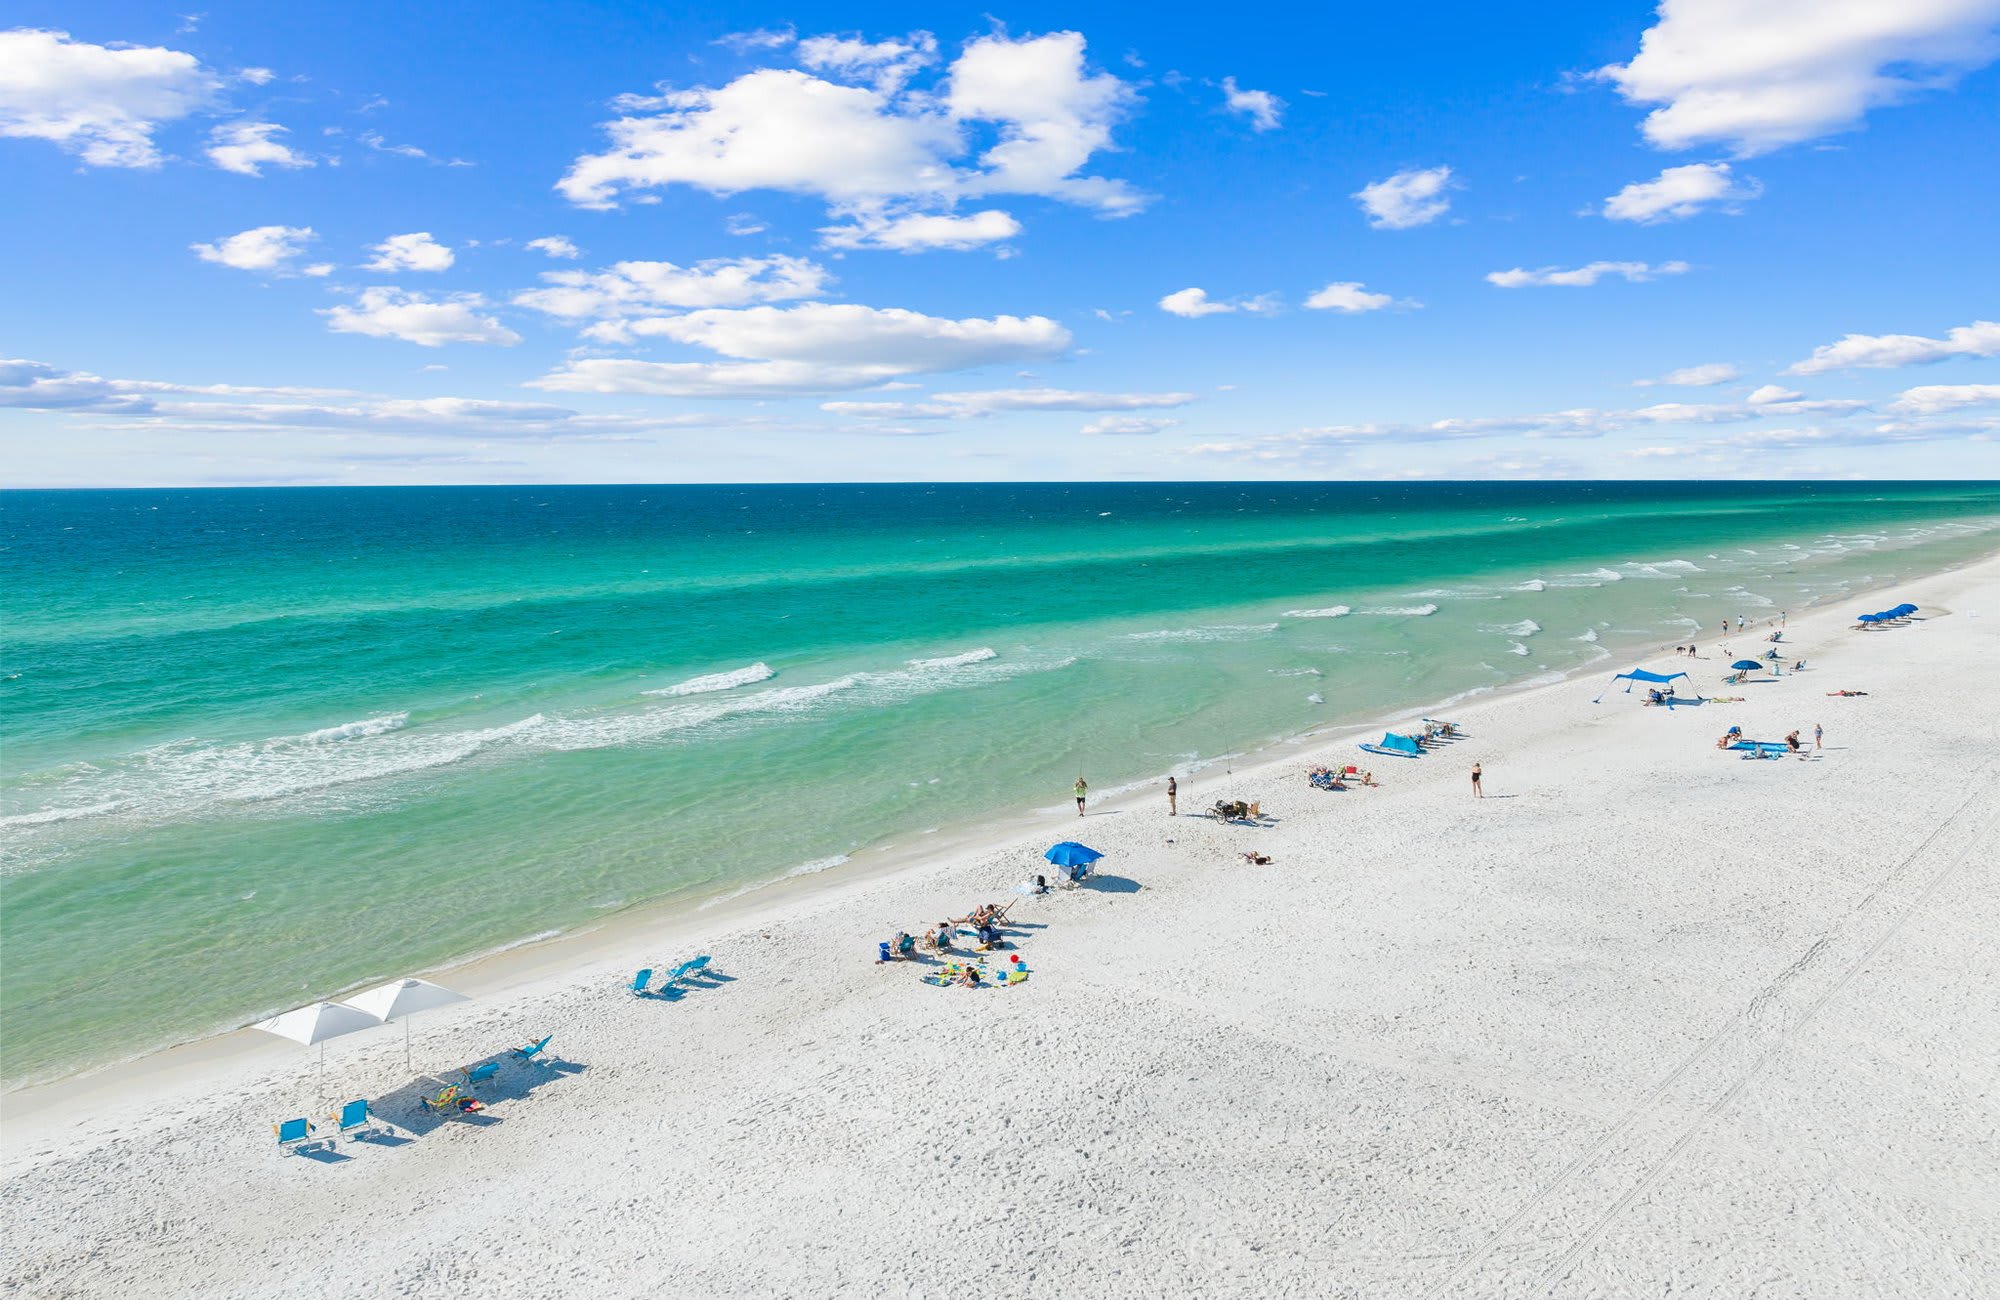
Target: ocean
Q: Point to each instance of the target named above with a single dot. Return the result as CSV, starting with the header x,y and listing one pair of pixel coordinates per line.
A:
x,y
262,746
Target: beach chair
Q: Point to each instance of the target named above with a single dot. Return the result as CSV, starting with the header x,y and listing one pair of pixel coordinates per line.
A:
x,y
295,1135
688,970
999,918
531,1054
480,1073
641,980
355,1121
451,1100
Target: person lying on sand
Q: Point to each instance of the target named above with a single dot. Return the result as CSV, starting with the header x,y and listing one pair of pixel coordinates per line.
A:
x,y
1039,885
1259,859
1847,692
1728,737
968,978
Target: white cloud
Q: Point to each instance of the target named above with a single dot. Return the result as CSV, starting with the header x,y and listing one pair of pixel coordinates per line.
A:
x,y
1680,192
1264,109
1349,297
742,223
257,76
1409,198
1193,302
101,103
893,410
918,231
634,291
555,246
1583,276
416,251
388,313
1933,399
884,64
1760,76
263,248
1715,372
1129,424
1061,399
1883,351
319,270
812,348
247,147
859,147
759,38
1768,393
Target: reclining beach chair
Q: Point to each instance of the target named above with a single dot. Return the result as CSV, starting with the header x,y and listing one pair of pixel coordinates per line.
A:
x,y
641,980
480,1073
451,1100
295,1135
531,1054
355,1121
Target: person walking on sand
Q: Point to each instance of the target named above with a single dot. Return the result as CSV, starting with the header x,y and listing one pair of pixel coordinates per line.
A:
x,y
1082,792
1477,793
1173,797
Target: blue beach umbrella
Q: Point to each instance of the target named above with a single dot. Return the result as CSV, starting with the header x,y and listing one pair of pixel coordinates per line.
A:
x,y
1071,854
1746,665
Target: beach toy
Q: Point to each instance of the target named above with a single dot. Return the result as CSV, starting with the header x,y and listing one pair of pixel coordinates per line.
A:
x,y
884,946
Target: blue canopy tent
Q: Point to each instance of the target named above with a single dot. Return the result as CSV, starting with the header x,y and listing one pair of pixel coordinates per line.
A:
x,y
1886,616
1075,857
1396,746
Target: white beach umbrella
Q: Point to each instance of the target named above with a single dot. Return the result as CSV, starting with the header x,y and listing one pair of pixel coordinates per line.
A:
x,y
402,999
317,1023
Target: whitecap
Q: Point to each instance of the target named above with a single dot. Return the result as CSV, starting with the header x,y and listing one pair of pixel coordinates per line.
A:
x,y
1517,648
729,681
1532,584
978,656
1315,698
818,865
48,816
1401,611
1526,627
1217,632
381,726
1589,634
1331,611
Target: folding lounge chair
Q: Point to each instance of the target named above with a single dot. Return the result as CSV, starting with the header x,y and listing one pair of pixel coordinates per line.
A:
x,y
641,980
480,1073
533,1051
295,1135
446,1100
355,1121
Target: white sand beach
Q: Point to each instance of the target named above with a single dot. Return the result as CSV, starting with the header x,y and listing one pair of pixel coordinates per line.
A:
x,y
1647,1020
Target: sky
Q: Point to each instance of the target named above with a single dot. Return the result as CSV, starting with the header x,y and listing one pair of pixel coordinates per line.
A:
x,y
593,242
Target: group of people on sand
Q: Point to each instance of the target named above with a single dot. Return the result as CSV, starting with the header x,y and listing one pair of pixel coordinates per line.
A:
x,y
984,921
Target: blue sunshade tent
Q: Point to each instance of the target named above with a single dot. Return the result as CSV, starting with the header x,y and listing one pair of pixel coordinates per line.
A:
x,y
1400,746
1071,854
1904,610
1746,665
1640,675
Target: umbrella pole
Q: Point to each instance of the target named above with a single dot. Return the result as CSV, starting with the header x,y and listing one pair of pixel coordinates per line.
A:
x,y
406,1042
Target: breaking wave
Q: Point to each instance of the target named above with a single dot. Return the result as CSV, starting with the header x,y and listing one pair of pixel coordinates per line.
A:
x,y
729,681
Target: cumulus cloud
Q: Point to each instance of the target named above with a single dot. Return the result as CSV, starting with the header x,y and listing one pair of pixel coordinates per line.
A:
x,y
1884,351
885,64
1933,399
918,231
1767,393
1264,109
248,147
630,293
1680,192
1756,77
1129,424
389,313
1193,302
556,246
101,103
262,248
862,147
1583,276
1349,297
416,251
812,348
1409,198
1715,372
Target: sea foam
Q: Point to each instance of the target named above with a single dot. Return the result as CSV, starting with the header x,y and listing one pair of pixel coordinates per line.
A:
x,y
729,681
1331,611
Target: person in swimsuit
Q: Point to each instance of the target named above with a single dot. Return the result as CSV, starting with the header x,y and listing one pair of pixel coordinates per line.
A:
x,y
1477,793
1082,791
1173,797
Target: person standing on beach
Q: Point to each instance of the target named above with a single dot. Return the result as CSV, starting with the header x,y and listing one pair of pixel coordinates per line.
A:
x,y
1173,797
1477,793
1082,791
1819,735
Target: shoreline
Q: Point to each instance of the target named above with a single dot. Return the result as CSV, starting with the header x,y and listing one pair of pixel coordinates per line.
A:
x,y
1645,1015
535,963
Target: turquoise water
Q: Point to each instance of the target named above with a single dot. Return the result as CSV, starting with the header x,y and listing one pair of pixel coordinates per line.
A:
x,y
263,745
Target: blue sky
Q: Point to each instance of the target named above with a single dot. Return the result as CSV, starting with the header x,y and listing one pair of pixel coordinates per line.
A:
x,y
595,242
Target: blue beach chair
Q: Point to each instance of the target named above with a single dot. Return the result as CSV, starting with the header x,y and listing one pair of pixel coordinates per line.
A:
x,y
480,1073
355,1120
295,1135
532,1052
641,980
